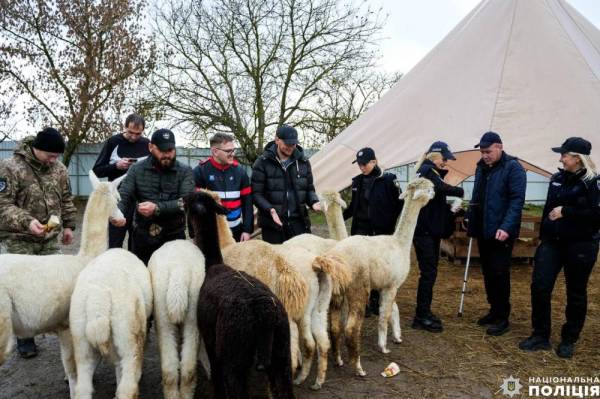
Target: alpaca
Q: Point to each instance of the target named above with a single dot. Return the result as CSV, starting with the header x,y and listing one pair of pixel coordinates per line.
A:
x,y
110,304
332,204
377,262
239,318
35,291
177,273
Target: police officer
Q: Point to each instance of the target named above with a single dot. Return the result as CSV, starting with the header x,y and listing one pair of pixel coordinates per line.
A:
x,y
156,187
494,217
222,174
118,154
34,185
569,241
282,188
375,205
431,227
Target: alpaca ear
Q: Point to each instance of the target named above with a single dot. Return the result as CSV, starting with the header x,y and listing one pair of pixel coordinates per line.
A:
x,y
115,183
342,203
93,180
403,195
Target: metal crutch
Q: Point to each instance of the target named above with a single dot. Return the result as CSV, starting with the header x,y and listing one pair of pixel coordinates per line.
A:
x,y
464,287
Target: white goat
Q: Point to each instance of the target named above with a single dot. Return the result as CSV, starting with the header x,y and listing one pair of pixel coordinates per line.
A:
x,y
177,271
35,291
110,304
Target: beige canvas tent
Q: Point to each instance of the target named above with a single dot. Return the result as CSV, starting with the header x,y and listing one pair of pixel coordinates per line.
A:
x,y
527,69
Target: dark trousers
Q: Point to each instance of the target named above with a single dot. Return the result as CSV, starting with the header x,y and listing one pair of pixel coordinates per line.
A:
x,y
144,245
427,249
577,259
495,265
116,235
291,228
237,232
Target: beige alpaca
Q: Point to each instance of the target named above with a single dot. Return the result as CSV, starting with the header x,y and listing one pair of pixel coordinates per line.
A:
x,y
377,262
177,271
110,304
35,291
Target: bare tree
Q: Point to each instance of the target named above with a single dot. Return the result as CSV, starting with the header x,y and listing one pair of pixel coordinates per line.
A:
x,y
244,66
341,101
74,60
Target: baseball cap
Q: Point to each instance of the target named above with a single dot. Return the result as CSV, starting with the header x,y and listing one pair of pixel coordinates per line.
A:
x,y
441,147
288,134
574,144
364,155
164,139
488,139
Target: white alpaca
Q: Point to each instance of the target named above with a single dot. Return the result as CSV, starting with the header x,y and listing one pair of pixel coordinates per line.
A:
x,y
110,304
177,271
35,291
378,262
332,204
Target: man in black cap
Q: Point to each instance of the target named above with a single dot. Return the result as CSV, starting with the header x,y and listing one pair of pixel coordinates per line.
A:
x,y
156,187
375,205
494,218
282,188
118,154
569,236
34,185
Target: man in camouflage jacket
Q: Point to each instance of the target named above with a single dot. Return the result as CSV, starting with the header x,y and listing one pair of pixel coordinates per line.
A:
x,y
33,186
156,187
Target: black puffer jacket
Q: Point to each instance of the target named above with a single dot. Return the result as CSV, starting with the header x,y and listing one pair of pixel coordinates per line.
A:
x,y
580,201
433,216
384,204
166,188
270,183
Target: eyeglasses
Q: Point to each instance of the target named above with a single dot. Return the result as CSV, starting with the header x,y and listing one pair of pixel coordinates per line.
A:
x,y
228,152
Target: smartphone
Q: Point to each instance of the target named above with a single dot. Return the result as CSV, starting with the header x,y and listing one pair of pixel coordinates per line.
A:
x,y
132,160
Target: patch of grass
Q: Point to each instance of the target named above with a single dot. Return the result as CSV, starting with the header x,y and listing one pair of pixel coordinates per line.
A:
x,y
316,218
533,210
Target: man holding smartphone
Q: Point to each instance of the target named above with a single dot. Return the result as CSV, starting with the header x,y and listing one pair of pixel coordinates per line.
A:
x,y
118,154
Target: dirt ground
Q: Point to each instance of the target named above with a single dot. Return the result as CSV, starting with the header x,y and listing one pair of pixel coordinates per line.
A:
x,y
461,362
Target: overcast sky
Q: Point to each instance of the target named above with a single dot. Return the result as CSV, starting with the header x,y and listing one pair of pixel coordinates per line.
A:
x,y
415,26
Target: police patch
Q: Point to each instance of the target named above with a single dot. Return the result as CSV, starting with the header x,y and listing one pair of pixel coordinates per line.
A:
x,y
3,184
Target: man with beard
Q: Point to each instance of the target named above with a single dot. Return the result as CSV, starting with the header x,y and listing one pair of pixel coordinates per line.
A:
x,y
156,187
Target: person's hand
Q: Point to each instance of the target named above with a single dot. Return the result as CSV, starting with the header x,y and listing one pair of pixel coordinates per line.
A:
x,y
67,236
275,217
501,235
555,213
36,228
245,237
124,163
316,207
120,222
146,208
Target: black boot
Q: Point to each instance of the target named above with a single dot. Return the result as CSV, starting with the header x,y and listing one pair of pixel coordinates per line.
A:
x,y
565,350
487,320
534,343
427,323
26,348
498,328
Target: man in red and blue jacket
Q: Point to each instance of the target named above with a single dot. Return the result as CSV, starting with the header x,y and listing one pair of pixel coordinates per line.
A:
x,y
222,174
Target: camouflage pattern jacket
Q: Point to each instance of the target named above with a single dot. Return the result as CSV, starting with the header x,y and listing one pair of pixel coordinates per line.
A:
x,y
31,190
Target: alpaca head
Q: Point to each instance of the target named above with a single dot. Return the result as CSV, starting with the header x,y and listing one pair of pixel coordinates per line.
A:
x,y
419,190
202,209
329,198
202,204
111,190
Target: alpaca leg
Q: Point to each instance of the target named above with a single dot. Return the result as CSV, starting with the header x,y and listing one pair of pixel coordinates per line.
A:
x,y
131,371
356,312
395,323
308,343
280,372
385,313
169,359
6,328
189,356
86,360
68,359
335,313
235,381
203,356
319,327
294,345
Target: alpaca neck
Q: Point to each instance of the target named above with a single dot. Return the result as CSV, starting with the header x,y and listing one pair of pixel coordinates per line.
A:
x,y
225,234
94,229
405,228
335,222
207,239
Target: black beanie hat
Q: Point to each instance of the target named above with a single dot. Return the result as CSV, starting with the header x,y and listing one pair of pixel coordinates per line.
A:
x,y
49,140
